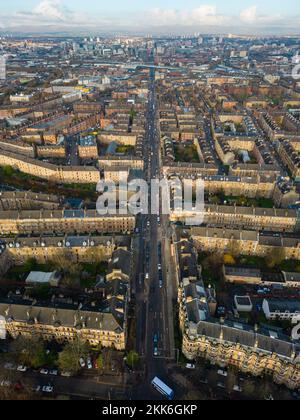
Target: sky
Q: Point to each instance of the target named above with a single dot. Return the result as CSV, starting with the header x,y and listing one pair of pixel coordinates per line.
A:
x,y
155,16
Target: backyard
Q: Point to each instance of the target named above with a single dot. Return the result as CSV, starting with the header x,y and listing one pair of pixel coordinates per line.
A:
x,y
186,153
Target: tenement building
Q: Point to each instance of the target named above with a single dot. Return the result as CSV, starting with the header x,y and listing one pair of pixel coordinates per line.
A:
x,y
63,221
256,351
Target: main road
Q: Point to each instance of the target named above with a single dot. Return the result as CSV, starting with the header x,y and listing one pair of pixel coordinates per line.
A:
x,y
153,291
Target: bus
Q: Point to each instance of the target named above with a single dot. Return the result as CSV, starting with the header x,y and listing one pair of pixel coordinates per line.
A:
x,y
163,388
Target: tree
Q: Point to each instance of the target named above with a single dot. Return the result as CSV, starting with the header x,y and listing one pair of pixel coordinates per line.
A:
x,y
275,257
234,248
213,262
193,396
8,171
229,259
30,264
100,362
29,352
132,359
69,358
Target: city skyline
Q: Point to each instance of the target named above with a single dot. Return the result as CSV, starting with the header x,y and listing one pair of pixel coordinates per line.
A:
x,y
267,18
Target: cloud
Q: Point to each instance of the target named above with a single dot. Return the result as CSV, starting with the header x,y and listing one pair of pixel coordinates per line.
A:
x,y
54,15
249,15
205,14
51,9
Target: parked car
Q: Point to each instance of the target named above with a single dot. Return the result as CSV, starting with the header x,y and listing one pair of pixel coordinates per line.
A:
x,y
53,372
222,373
44,371
22,368
82,362
190,366
89,363
5,384
47,389
66,374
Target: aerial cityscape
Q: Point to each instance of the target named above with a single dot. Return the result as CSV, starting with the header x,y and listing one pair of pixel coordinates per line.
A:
x,y
149,202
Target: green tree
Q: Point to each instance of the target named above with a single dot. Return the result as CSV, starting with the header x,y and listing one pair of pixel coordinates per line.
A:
x,y
29,352
8,171
30,264
132,359
100,362
275,257
69,358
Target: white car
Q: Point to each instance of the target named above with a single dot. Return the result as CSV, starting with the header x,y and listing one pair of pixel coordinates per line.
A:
x,y
47,389
44,372
5,384
190,366
222,373
82,362
89,363
66,374
22,368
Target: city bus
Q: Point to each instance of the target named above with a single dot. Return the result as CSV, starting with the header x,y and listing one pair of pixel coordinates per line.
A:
x,y
163,388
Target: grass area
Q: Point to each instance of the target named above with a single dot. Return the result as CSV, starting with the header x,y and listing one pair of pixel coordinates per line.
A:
x,y
95,268
259,262
92,271
252,261
20,273
186,153
86,275
22,181
125,149
261,202
212,278
290,266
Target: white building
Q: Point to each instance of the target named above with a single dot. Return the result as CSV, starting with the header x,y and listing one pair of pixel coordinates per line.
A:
x,y
243,304
21,98
285,310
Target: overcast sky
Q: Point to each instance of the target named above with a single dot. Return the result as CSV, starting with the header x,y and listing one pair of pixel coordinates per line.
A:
x,y
234,16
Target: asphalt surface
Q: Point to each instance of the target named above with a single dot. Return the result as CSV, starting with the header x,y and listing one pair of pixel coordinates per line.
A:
x,y
153,292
